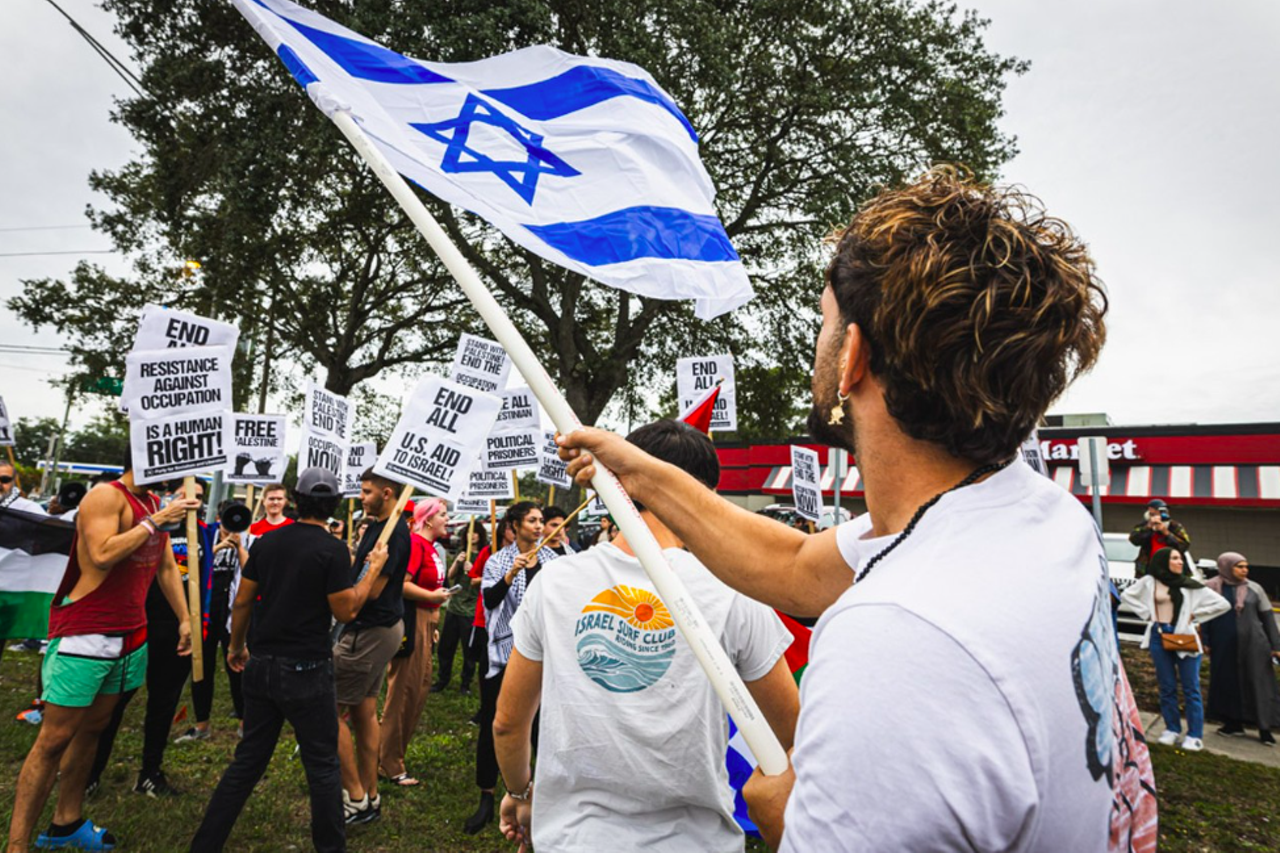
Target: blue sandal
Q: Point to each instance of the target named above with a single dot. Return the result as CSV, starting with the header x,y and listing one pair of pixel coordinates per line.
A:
x,y
89,836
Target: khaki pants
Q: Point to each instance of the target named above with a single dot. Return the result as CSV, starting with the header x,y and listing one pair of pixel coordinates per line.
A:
x,y
408,682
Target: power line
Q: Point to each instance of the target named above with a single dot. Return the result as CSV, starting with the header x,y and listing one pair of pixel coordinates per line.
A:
x,y
26,349
44,228
34,254
117,66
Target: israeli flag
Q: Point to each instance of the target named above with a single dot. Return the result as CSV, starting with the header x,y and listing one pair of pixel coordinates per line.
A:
x,y
586,162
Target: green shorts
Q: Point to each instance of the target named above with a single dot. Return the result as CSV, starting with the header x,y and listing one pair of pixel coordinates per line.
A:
x,y
75,680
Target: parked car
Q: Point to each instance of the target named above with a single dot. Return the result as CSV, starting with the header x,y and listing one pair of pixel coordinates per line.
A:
x,y
786,513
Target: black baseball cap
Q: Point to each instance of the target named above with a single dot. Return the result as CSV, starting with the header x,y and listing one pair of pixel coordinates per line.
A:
x,y
1156,503
318,482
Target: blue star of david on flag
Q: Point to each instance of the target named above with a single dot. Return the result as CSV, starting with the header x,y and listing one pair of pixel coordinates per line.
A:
x,y
454,133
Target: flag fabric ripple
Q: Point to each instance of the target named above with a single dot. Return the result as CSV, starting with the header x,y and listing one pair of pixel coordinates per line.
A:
x,y
584,161
33,557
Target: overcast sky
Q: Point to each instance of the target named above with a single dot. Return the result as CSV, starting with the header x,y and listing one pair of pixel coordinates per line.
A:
x,y
1150,126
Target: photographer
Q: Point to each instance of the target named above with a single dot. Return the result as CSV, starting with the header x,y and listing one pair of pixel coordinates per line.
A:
x,y
1157,530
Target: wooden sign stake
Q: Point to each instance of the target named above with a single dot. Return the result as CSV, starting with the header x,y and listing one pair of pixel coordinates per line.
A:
x,y
193,583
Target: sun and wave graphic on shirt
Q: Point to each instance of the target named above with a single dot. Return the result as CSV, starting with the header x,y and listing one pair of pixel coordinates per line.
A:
x,y
631,651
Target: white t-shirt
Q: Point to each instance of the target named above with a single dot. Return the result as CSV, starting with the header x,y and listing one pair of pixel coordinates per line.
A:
x,y
968,694
631,750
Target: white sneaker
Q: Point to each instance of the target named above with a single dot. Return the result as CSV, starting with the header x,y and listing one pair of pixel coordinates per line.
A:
x,y
1169,738
1193,744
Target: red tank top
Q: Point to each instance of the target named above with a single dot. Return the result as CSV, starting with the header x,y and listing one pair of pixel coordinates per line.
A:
x,y
118,605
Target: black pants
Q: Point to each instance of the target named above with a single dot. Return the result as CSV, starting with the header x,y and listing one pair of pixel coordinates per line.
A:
x,y
455,630
167,674
486,757
276,690
202,690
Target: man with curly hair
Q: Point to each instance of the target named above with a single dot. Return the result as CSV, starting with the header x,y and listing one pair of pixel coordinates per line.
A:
x,y
964,690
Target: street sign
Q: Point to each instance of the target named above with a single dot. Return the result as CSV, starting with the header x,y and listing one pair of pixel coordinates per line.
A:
x,y
108,385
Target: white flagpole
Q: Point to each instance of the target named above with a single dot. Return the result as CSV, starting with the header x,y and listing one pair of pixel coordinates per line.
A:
x,y
728,685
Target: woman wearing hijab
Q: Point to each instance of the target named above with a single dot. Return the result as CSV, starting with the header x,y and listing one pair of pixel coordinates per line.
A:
x,y
1173,602
1242,645
409,675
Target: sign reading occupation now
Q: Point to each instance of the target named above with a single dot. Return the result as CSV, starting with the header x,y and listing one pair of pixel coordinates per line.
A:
x,y
434,445
360,458
326,430
805,486
481,364
697,375
255,449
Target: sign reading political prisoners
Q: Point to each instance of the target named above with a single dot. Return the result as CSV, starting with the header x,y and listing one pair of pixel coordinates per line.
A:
x,y
360,458
6,429
489,486
466,506
178,445
517,435
695,376
805,485
255,449
553,470
434,445
178,381
481,364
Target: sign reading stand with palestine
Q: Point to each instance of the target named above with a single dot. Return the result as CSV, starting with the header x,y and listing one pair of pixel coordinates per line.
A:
x,y
434,445
805,486
255,449
695,376
517,435
553,470
360,458
481,364
6,429
326,430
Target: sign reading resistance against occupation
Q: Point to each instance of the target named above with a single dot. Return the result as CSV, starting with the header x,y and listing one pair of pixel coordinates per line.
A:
x,y
481,364
806,488
255,449
177,381
435,443
161,328
697,375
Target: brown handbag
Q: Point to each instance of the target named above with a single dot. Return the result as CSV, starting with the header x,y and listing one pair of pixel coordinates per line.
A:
x,y
1181,642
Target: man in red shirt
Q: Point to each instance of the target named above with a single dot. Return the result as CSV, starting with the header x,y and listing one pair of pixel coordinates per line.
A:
x,y
274,500
97,650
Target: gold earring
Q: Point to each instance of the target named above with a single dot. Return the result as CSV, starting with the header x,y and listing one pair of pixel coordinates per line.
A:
x,y
837,411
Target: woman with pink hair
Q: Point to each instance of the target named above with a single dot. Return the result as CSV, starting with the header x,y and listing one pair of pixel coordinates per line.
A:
x,y
409,675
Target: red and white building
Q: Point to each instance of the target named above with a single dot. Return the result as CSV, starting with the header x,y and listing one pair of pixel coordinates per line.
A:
x,y
1221,481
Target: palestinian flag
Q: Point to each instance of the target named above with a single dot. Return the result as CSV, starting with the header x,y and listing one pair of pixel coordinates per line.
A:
x,y
740,761
33,557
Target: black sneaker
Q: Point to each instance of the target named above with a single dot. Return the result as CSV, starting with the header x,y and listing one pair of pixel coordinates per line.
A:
x,y
155,785
1232,730
1266,738
483,814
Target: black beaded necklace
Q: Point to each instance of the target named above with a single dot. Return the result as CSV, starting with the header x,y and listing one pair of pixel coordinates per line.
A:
x,y
973,477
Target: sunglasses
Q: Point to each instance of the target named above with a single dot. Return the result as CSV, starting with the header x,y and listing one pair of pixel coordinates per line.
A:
x,y
6,480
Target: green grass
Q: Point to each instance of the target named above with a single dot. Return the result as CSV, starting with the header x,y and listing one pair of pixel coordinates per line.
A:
x,y
1207,802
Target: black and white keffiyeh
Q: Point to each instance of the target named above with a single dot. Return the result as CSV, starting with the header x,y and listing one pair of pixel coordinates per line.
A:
x,y
498,620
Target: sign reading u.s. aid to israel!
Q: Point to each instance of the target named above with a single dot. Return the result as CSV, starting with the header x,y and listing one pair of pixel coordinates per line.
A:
x,y
255,449
178,445
360,458
177,381
552,470
434,445
327,413
481,364
489,485
697,375
806,488
6,428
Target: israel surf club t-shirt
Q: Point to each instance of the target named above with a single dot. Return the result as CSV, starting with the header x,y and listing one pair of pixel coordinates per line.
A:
x,y
631,750
968,693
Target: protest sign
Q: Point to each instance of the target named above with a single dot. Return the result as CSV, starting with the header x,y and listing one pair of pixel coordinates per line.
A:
x,y
434,445
519,411
470,506
805,483
596,507
6,429
553,470
489,485
327,414
481,364
158,383
1031,454
360,458
697,375
255,449
167,328
505,451
319,450
178,446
